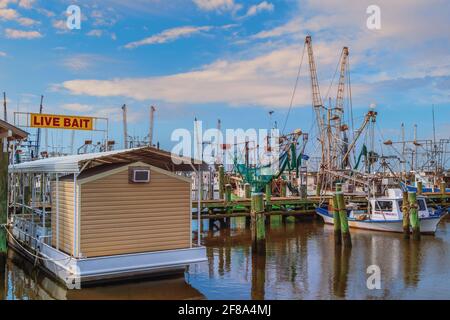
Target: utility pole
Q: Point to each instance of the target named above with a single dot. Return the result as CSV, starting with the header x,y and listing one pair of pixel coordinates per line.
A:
x,y
152,123
125,128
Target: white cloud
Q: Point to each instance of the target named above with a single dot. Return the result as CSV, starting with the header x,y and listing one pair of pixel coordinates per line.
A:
x,y
391,58
20,34
95,33
79,62
265,80
27,4
77,107
218,5
168,35
60,26
13,15
3,54
257,8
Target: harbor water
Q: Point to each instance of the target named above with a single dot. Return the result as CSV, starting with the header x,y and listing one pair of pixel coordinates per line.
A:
x,y
301,263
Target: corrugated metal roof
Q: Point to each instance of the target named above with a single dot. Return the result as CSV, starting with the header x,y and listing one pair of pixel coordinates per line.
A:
x,y
74,163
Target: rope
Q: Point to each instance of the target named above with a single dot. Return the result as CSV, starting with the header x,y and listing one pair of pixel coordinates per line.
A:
x,y
29,252
295,89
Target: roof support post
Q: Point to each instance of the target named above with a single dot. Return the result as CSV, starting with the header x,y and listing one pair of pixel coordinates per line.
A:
x,y
199,208
57,211
75,216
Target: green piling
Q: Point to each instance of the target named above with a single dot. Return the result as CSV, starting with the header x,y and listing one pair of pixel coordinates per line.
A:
x,y
268,196
414,215
248,191
221,182
228,189
405,210
337,221
419,187
345,230
258,224
4,161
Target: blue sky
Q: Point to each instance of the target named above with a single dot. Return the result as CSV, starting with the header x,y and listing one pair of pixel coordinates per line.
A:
x,y
230,59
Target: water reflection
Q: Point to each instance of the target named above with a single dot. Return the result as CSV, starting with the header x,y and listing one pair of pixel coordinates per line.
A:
x,y
28,283
301,262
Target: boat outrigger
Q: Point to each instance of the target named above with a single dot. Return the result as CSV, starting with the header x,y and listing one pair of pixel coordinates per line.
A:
x,y
385,214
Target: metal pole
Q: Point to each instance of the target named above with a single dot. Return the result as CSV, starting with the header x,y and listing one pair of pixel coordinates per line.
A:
x,y
57,211
152,123
199,183
125,128
75,216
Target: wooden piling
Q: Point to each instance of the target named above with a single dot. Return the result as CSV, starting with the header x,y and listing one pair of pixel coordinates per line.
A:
x,y
3,195
443,187
247,190
419,187
283,192
337,221
318,189
405,210
228,190
258,224
268,196
221,182
414,215
345,230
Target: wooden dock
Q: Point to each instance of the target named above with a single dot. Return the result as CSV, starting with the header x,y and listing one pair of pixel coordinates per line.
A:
x,y
286,206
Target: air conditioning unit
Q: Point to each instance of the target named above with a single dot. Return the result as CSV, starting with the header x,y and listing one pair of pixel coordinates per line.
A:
x,y
140,175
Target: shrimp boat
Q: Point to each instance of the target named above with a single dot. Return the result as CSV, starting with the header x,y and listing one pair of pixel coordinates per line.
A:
x,y
385,214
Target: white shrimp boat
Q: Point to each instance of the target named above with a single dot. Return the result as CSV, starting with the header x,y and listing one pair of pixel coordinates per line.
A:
x,y
386,214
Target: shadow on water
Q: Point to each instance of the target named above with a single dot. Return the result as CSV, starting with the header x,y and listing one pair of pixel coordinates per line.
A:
x,y
301,262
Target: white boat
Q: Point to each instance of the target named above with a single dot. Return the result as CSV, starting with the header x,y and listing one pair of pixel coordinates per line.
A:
x,y
386,214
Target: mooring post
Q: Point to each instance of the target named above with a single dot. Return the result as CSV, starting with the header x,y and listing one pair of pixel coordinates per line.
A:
x,y
345,230
268,196
405,210
247,190
228,189
337,221
419,187
229,206
258,224
221,182
318,188
414,215
4,160
303,192
283,189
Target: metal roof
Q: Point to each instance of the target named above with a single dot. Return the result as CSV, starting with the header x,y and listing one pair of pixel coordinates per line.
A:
x,y
11,132
76,163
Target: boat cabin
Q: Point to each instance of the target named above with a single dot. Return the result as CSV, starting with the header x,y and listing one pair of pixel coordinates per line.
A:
x,y
390,207
109,214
